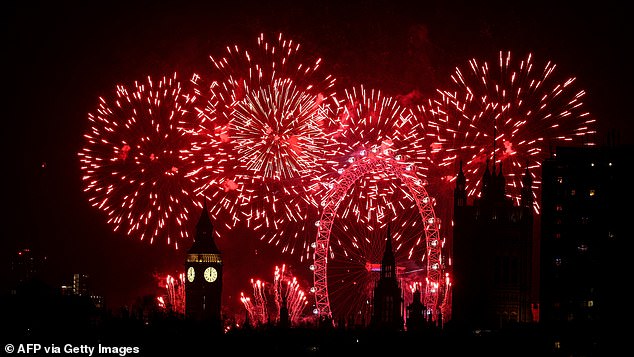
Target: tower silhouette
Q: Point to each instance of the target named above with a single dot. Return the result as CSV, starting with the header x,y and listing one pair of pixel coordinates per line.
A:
x,y
492,254
285,320
416,313
203,266
388,300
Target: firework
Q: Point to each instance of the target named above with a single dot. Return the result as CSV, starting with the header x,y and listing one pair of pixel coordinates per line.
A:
x,y
352,277
262,112
269,298
242,70
131,164
288,292
356,250
257,308
277,134
512,112
368,125
382,147
173,298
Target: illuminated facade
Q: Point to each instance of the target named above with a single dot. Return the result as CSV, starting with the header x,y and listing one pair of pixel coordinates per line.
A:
x,y
81,284
492,254
585,222
203,269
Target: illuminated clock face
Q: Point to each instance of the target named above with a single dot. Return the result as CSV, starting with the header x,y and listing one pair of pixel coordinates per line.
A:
x,y
191,274
211,274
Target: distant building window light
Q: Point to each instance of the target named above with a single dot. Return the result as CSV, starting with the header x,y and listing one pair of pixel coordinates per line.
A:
x,y
590,303
592,192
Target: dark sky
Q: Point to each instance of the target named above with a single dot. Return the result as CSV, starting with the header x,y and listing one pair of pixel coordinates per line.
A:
x,y
59,57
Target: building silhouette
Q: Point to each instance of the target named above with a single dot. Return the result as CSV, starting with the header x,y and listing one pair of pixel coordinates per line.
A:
x,y
81,287
203,267
387,310
285,320
25,266
415,313
585,223
492,254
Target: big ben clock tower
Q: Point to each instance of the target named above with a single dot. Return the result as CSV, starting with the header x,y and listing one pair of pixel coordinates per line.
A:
x,y
203,288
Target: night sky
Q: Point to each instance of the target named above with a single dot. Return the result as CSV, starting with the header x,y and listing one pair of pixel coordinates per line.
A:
x,y
60,57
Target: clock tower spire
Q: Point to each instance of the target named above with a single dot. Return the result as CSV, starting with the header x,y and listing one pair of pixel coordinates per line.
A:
x,y
203,288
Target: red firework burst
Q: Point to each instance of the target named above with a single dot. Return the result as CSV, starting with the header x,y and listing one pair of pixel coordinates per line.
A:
x,y
241,70
262,114
369,124
369,129
269,298
511,112
131,164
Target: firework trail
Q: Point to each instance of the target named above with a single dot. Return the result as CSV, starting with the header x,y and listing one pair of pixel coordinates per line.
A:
x,y
173,299
268,298
260,312
248,305
368,126
277,133
354,267
287,291
262,111
529,108
131,163
242,70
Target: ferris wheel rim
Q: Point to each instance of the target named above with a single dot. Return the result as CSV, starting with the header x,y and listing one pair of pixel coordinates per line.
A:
x,y
335,196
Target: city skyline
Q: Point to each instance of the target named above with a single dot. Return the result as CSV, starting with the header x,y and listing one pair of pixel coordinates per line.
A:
x,y
57,82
